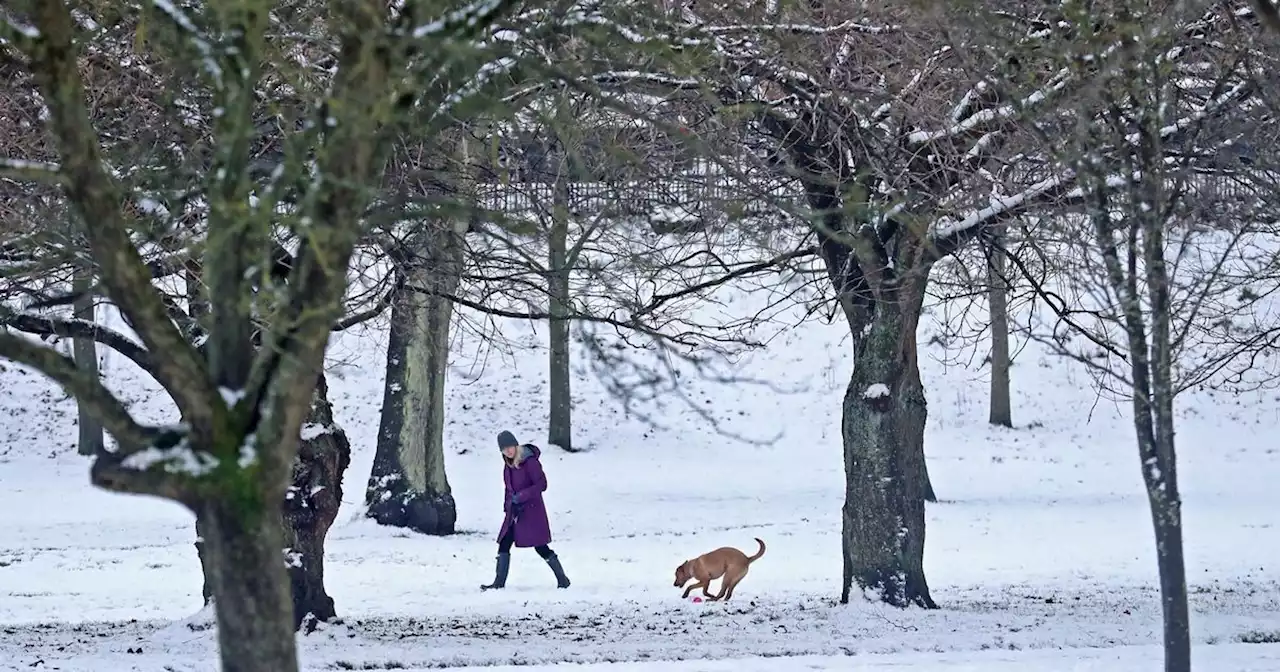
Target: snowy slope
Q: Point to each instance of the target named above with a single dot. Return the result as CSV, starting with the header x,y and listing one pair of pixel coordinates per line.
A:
x,y
1042,541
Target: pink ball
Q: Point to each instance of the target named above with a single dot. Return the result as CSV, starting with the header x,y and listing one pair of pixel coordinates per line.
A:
x,y
697,599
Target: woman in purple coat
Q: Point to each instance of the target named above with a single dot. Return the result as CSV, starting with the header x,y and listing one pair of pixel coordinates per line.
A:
x,y
525,523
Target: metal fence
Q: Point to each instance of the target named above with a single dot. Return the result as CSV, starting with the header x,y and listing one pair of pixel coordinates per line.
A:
x,y
691,197
678,198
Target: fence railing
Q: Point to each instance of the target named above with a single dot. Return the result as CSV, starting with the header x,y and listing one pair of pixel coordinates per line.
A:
x,y
679,198
689,197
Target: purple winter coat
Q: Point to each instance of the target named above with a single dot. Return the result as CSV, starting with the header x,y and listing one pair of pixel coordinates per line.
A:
x,y
527,482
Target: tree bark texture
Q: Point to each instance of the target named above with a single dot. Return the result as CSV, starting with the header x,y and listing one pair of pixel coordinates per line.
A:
x,y
998,304
246,573
197,301
310,506
560,424
1153,424
85,353
408,486
884,414
1166,520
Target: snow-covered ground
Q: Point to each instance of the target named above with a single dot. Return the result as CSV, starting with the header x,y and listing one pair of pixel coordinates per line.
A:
x,y
1040,553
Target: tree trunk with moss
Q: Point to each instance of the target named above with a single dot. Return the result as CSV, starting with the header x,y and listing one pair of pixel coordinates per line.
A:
x,y
309,508
252,606
884,411
883,422
244,393
408,486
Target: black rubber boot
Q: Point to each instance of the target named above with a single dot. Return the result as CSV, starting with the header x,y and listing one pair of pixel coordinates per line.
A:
x,y
553,561
500,573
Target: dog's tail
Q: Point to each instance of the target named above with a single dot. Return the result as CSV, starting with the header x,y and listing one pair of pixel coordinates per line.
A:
x,y
753,558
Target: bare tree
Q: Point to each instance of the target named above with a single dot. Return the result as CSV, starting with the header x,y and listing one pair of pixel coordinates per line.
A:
x,y
646,244
586,182
879,175
1156,290
891,125
408,486
131,88
430,210
243,404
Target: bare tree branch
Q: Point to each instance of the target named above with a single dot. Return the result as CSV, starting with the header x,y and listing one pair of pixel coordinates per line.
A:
x,y
70,328
131,436
97,201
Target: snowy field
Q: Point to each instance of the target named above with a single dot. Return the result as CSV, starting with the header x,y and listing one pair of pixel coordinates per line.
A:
x,y
1040,553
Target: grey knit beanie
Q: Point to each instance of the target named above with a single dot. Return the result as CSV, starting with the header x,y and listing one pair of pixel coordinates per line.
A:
x,y
505,439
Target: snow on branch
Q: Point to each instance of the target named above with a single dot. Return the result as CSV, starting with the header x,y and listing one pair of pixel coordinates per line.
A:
x,y
179,459
982,118
1235,94
48,326
23,169
11,30
582,17
1011,112
470,16
1037,193
885,110
803,29
1001,207
641,77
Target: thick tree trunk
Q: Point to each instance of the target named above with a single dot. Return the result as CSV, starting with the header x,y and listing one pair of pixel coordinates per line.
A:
x,y
245,571
560,422
310,506
998,302
408,486
85,353
884,416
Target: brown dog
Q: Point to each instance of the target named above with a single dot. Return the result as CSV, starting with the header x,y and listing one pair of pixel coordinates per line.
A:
x,y
727,562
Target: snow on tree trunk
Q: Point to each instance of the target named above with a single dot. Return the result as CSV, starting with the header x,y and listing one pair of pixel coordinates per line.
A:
x,y
1150,347
310,507
408,486
1166,520
884,415
1153,423
560,422
998,303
